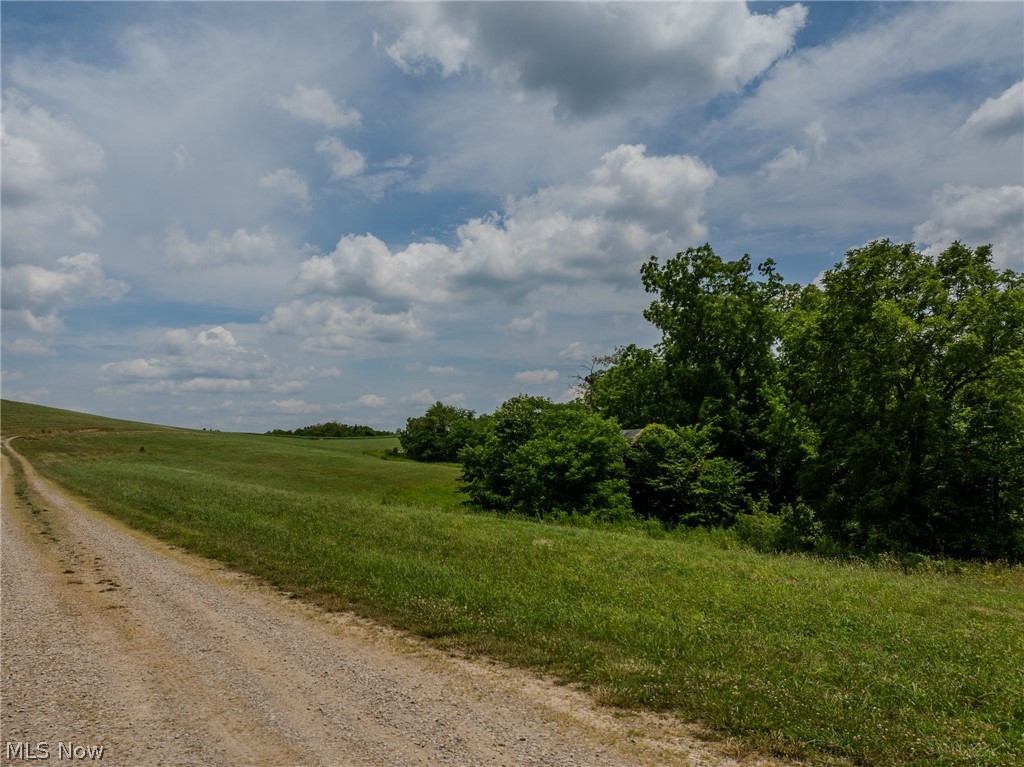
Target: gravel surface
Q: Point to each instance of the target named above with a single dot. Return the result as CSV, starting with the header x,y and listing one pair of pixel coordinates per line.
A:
x,y
111,639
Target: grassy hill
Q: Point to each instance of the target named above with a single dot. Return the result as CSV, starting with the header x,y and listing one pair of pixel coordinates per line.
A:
x,y
838,662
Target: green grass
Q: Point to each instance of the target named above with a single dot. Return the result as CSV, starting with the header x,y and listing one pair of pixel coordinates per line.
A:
x,y
838,662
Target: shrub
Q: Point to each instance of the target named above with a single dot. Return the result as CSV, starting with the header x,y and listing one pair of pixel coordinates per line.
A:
x,y
439,434
540,458
674,477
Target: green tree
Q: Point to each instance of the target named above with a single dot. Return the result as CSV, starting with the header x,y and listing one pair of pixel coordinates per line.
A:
x,y
541,458
487,466
439,434
630,386
674,477
911,367
720,328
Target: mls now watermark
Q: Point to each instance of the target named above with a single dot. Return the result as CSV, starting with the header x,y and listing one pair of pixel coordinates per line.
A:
x,y
41,751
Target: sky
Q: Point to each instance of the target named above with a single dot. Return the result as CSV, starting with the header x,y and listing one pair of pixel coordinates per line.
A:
x,y
249,216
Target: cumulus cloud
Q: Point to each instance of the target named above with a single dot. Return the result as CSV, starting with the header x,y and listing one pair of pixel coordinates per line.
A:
x,y
49,177
208,360
32,295
536,377
289,183
331,325
594,56
316,105
242,247
977,217
429,42
372,400
1000,117
630,206
343,162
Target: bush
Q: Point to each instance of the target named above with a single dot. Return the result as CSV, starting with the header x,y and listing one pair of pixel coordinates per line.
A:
x,y
439,434
540,458
759,529
674,477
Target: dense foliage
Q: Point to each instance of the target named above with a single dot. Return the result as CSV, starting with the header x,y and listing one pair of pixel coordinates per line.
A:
x,y
675,477
439,434
540,458
885,405
331,430
911,369
880,410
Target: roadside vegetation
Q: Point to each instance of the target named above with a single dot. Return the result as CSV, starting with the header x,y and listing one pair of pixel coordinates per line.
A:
x,y
843,662
876,412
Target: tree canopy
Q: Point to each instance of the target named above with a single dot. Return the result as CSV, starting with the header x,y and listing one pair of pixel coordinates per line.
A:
x,y
879,409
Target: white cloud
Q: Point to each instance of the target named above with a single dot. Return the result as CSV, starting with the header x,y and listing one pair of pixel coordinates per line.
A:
x,y
242,248
422,397
1000,117
31,295
977,217
426,397
372,400
296,406
343,162
534,324
577,351
289,183
630,206
316,105
536,377
592,56
793,159
75,278
207,360
50,168
330,325
28,347
430,42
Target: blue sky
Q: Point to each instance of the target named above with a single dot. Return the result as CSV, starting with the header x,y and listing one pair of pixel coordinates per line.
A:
x,y
246,216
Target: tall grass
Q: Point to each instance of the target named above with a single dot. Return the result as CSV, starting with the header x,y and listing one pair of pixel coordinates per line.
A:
x,y
839,662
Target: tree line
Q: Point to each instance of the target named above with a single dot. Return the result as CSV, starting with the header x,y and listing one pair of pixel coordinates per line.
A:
x,y
880,408
331,430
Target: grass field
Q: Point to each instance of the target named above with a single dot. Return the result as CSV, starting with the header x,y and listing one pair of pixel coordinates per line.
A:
x,y
836,662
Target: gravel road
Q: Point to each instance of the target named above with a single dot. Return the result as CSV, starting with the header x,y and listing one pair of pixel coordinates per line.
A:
x,y
112,640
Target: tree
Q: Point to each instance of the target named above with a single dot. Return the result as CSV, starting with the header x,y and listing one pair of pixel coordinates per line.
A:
x,y
540,458
439,434
674,477
630,386
912,369
720,328
487,466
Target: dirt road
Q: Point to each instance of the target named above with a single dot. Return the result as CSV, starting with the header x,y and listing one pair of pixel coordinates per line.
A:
x,y
117,645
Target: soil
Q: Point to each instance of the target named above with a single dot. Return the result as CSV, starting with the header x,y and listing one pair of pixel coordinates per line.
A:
x,y
112,640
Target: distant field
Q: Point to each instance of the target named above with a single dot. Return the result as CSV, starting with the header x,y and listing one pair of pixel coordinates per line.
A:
x,y
840,663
